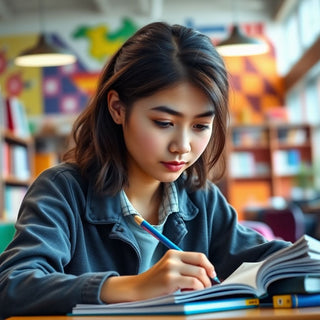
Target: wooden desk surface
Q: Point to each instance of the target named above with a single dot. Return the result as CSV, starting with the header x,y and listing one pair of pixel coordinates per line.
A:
x,y
251,314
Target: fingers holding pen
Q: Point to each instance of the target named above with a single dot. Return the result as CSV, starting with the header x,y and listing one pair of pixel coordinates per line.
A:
x,y
199,267
182,270
198,260
176,270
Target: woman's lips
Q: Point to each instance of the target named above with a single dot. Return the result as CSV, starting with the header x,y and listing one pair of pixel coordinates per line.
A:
x,y
174,166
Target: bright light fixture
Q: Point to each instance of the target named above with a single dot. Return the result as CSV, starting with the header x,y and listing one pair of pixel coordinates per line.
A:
x,y
44,54
238,44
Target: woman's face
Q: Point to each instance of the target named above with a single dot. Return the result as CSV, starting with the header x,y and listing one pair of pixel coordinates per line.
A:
x,y
167,132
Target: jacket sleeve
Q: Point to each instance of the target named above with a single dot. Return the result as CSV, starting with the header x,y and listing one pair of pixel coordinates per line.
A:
x,y
232,243
33,269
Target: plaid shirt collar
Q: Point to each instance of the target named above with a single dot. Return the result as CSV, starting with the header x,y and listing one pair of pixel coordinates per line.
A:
x,y
168,205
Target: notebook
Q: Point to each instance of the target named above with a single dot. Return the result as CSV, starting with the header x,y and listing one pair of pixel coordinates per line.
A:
x,y
187,308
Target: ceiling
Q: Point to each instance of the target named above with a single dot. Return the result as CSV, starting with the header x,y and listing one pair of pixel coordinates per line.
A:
x,y
10,9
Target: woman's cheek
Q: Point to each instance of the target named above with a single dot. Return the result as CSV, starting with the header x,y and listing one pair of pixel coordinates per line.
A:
x,y
201,145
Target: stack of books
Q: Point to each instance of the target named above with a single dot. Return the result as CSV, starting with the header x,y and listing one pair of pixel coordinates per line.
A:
x,y
288,278
294,292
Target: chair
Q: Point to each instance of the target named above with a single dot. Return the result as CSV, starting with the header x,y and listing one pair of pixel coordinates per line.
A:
x,y
260,227
7,231
287,223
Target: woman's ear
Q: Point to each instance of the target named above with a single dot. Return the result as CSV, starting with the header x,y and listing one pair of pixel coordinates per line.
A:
x,y
116,107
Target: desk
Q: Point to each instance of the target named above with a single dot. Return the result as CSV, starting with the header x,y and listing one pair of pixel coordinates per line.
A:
x,y
251,314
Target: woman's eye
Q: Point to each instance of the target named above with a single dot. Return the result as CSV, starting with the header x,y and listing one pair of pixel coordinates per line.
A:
x,y
162,124
201,127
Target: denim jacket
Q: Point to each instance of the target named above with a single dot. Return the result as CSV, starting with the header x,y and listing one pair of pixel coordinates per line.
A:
x,y
70,239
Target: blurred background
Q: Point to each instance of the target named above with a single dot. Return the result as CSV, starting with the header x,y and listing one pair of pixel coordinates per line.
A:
x,y
273,152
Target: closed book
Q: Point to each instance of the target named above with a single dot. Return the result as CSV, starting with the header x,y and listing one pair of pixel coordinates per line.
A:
x,y
296,300
301,284
147,308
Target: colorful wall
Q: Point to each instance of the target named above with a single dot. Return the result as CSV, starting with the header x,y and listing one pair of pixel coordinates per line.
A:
x,y
255,84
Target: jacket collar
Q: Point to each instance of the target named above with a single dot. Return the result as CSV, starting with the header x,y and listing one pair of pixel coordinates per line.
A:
x,y
105,209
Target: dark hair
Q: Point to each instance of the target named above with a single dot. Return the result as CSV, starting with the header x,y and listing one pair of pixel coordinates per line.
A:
x,y
156,57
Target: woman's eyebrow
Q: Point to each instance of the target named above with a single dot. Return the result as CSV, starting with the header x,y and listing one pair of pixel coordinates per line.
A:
x,y
165,109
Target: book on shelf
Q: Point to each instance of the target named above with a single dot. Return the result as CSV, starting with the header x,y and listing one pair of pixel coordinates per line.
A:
x,y
15,161
250,279
20,166
5,151
293,136
16,119
242,164
250,137
13,196
287,162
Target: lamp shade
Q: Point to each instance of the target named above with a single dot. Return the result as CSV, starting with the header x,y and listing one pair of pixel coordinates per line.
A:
x,y
238,44
44,54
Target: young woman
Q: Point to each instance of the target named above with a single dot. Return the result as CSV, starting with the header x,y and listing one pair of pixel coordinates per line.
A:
x,y
144,146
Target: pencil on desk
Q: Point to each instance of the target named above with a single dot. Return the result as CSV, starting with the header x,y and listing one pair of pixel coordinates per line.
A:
x,y
163,239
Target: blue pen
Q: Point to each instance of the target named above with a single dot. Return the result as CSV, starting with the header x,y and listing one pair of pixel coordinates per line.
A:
x,y
163,239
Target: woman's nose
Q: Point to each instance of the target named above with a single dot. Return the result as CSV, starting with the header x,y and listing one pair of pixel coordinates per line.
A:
x,y
180,143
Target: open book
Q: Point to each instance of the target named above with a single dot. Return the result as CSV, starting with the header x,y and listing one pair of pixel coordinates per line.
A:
x,y
251,279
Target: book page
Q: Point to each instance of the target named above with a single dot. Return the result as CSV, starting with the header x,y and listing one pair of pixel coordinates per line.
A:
x,y
245,274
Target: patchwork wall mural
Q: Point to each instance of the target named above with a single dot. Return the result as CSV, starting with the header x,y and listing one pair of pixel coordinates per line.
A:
x,y
65,89
255,84
24,83
256,87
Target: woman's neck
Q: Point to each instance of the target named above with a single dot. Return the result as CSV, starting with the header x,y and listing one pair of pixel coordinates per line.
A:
x,y
146,199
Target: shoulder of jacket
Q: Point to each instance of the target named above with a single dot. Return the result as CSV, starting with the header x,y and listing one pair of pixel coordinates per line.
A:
x,y
66,170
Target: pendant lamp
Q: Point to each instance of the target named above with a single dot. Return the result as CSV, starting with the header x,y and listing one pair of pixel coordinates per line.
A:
x,y
238,44
44,53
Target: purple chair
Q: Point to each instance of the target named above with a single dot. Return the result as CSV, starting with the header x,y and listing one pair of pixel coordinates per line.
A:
x,y
287,223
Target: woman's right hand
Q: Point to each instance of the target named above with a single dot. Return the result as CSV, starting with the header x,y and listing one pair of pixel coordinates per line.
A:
x,y
176,270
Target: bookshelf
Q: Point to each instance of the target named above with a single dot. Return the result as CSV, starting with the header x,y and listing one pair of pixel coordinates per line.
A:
x,y
269,160
16,161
